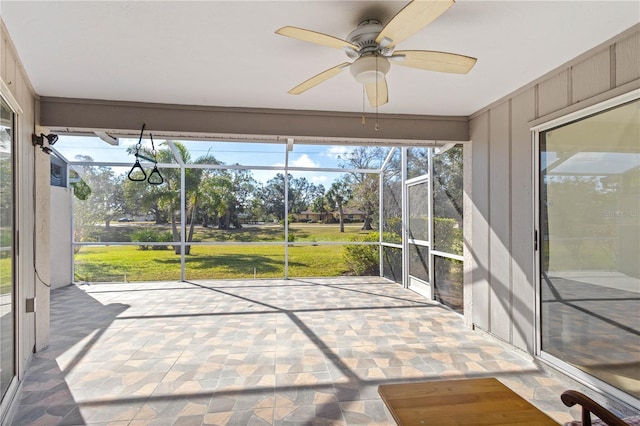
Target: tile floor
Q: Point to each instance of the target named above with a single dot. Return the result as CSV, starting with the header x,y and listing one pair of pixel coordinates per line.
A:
x,y
266,352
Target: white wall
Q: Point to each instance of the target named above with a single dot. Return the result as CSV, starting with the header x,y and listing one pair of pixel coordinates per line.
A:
x,y
61,244
500,237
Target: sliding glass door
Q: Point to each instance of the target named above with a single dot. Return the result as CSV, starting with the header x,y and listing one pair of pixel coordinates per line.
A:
x,y
589,192
7,281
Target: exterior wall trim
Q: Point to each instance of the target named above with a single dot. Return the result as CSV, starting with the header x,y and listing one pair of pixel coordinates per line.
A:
x,y
66,115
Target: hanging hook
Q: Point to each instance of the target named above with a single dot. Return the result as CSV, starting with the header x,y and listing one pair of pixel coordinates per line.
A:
x,y
140,138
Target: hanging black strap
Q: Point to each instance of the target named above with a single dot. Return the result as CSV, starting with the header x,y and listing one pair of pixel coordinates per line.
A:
x,y
137,173
155,178
137,169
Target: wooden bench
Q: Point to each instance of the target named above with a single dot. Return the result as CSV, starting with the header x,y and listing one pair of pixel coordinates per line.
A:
x,y
458,402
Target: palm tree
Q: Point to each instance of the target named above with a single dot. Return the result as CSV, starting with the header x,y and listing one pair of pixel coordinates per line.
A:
x,y
168,194
338,196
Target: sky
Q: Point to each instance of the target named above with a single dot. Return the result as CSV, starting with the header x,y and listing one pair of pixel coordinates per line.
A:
x,y
245,154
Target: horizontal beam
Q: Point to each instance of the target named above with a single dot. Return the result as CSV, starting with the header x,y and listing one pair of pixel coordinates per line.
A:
x,y
64,115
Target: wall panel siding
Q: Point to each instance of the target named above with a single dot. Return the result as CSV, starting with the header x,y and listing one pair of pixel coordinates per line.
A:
x,y
522,284
628,60
592,76
503,278
469,263
553,93
10,69
480,219
13,75
500,221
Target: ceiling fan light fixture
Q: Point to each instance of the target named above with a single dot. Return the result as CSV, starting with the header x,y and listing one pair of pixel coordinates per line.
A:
x,y
370,69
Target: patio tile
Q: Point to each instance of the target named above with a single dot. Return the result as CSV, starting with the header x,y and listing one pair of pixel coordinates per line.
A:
x,y
266,352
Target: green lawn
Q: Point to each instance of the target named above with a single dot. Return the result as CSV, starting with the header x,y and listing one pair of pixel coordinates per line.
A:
x,y
120,263
5,275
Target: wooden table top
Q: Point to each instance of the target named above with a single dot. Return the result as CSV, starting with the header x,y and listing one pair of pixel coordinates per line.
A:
x,y
460,402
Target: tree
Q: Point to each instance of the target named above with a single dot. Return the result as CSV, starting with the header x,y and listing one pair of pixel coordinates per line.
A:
x,y
142,199
227,193
338,196
321,205
364,185
103,193
301,195
272,196
448,184
167,195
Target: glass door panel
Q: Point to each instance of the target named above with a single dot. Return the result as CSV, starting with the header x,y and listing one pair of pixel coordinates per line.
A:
x,y
7,318
590,245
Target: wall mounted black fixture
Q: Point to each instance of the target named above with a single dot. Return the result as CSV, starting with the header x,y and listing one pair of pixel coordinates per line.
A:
x,y
39,141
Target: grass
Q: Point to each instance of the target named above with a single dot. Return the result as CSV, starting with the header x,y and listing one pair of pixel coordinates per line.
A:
x,y
306,232
5,275
126,263
129,263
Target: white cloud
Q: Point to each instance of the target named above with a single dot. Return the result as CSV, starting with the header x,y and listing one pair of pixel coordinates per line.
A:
x,y
303,161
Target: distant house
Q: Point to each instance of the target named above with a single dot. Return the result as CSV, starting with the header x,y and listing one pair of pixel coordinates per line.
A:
x,y
352,215
310,216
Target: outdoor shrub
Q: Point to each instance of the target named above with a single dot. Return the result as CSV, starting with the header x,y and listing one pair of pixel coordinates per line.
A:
x,y
394,225
447,235
150,236
363,259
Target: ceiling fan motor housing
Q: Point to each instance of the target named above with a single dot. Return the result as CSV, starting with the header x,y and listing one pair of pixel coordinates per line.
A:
x,y
365,38
370,66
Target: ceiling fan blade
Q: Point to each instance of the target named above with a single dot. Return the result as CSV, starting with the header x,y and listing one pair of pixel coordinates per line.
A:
x,y
433,61
315,37
411,19
377,93
317,79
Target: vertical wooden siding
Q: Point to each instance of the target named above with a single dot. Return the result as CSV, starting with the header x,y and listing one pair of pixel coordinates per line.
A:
x,y
501,236
33,328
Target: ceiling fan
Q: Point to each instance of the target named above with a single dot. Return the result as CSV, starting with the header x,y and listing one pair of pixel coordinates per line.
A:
x,y
372,47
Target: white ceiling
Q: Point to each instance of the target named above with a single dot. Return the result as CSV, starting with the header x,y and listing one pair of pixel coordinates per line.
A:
x,y
225,53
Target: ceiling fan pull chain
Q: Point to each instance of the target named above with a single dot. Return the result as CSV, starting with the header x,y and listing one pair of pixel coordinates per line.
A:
x,y
364,119
377,126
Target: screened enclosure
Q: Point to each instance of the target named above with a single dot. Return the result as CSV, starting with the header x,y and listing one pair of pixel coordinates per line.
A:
x,y
195,210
